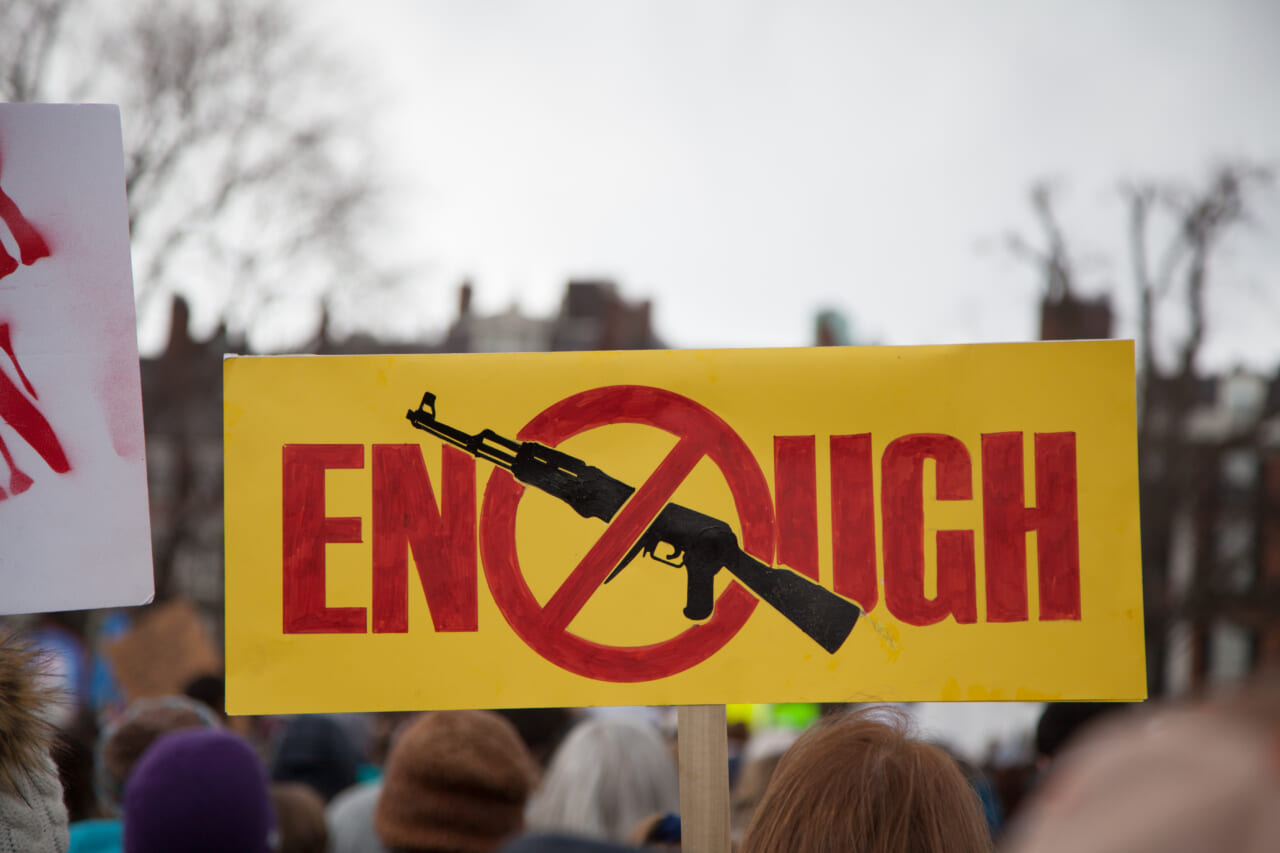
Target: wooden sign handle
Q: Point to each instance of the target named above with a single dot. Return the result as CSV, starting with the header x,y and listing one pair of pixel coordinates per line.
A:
x,y
704,779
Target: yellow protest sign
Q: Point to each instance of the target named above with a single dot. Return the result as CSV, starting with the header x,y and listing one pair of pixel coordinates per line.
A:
x,y
682,527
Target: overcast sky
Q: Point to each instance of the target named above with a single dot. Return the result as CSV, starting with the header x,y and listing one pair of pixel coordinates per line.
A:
x,y
744,164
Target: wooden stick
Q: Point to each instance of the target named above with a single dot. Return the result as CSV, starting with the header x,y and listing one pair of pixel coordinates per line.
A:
x,y
704,779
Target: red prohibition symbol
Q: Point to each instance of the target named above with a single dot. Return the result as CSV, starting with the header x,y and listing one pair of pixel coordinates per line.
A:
x,y
700,433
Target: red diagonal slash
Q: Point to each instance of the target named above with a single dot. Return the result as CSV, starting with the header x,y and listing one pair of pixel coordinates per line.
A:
x,y
627,526
700,432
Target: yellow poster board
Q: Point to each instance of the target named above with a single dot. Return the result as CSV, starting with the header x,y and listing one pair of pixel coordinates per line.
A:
x,y
682,527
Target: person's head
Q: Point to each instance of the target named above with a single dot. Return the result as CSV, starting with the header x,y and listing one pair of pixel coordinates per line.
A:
x,y
1061,722
211,690
124,742
317,751
455,781
199,791
1193,779
760,758
860,783
349,818
611,772
300,817
541,729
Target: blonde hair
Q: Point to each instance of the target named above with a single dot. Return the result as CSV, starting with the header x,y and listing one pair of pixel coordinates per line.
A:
x,y
861,782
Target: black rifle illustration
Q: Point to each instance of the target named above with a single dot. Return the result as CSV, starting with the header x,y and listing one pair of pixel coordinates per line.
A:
x,y
700,544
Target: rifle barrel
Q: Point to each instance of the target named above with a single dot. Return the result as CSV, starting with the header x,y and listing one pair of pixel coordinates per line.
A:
x,y
485,444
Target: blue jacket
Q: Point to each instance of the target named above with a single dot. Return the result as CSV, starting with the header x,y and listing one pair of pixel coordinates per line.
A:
x,y
97,836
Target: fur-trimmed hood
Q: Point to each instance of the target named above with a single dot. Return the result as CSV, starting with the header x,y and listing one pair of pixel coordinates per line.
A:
x,y
33,818
27,695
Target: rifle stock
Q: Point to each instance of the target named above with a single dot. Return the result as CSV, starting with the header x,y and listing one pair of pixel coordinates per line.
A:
x,y
824,616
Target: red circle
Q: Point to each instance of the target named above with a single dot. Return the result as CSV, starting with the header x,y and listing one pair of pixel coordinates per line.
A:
x,y
684,418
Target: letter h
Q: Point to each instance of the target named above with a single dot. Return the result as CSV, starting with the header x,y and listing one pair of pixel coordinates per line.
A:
x,y
1007,519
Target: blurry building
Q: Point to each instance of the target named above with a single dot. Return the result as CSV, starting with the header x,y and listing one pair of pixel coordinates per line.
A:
x,y
593,316
182,412
1067,317
508,331
1211,534
831,329
835,328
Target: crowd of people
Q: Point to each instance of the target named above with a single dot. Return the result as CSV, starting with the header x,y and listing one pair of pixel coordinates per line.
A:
x,y
173,773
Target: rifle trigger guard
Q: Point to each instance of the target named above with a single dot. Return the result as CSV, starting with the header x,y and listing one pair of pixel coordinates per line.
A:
x,y
675,558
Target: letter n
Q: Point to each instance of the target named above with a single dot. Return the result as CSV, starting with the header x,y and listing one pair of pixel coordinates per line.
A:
x,y
306,531
442,538
902,481
1006,520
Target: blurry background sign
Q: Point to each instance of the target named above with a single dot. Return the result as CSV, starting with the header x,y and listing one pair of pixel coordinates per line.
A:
x,y
165,651
73,484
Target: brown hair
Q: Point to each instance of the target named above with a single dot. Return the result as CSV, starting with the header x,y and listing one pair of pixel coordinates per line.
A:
x,y
299,818
145,720
860,782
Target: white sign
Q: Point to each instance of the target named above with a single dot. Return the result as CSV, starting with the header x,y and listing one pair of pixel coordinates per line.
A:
x,y
74,529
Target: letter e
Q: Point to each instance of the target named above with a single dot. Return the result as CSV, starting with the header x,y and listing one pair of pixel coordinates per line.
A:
x,y
306,532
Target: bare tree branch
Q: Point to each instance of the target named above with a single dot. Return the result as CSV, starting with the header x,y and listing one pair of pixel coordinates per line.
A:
x,y
1053,261
31,29
243,159
1141,197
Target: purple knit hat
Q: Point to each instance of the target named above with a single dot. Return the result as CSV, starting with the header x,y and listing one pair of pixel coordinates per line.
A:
x,y
199,791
